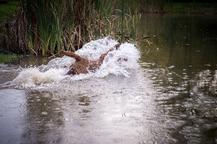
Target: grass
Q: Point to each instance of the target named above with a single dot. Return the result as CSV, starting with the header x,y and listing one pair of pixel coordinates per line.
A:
x,y
56,25
8,10
5,58
50,26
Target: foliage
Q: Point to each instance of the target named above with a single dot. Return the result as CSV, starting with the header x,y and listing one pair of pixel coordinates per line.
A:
x,y
4,58
45,27
7,10
51,26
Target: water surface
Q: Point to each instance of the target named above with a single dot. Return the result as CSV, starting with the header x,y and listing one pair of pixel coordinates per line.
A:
x,y
170,98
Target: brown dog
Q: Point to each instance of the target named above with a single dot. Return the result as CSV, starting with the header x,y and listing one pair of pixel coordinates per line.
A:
x,y
83,65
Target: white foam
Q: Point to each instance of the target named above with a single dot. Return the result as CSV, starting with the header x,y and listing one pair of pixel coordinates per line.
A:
x,y
31,77
117,62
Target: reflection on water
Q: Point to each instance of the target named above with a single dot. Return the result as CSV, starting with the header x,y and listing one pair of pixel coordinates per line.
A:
x,y
181,59
111,110
44,119
180,40
170,99
12,113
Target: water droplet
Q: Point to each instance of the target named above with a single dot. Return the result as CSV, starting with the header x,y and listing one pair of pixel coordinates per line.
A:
x,y
44,113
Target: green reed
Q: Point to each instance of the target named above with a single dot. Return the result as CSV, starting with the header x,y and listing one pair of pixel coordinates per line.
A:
x,y
68,24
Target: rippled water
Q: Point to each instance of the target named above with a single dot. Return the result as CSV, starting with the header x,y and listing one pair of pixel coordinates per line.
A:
x,y
169,98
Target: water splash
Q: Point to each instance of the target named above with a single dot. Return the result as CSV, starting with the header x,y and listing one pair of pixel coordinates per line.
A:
x,y
120,62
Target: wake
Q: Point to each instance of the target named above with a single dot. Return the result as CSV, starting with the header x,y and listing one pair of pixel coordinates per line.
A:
x,y
55,71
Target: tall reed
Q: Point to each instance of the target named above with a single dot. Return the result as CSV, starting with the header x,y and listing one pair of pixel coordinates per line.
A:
x,y
67,24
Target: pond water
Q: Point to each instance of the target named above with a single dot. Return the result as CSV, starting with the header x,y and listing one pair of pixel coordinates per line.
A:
x,y
169,98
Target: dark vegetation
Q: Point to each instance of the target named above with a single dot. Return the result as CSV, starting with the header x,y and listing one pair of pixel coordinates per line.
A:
x,y
45,27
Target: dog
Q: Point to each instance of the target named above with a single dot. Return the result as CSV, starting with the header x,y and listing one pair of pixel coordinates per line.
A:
x,y
82,65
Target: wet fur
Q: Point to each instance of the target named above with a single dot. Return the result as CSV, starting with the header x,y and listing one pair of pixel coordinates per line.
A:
x,y
83,65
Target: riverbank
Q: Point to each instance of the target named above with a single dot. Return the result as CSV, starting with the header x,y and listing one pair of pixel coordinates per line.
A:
x,y
191,8
17,40
5,58
181,8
